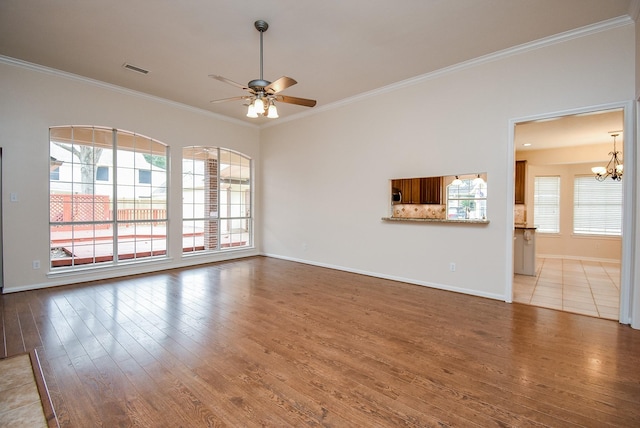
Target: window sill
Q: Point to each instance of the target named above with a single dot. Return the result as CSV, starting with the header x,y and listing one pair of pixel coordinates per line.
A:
x,y
209,253
603,237
89,269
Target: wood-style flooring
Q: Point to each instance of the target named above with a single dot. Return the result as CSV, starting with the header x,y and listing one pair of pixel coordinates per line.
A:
x,y
268,342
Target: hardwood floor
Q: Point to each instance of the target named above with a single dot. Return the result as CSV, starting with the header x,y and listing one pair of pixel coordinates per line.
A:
x,y
267,342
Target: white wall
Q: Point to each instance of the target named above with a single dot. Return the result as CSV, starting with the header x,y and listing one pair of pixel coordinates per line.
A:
x,y
325,181
32,100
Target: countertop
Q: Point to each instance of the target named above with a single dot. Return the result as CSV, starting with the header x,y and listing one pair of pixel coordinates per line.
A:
x,y
434,220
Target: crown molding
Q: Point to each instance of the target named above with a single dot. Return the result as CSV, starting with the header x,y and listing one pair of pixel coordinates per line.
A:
x,y
111,87
634,9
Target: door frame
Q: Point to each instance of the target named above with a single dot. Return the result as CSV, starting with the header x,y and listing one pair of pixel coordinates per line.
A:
x,y
1,235
627,265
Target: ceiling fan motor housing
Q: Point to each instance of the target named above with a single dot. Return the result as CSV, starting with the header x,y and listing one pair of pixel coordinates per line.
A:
x,y
258,84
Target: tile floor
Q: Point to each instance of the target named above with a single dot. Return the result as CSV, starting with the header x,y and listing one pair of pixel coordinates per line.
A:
x,y
20,404
578,286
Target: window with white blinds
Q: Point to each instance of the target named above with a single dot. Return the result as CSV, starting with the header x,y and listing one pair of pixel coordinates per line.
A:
x,y
597,206
546,204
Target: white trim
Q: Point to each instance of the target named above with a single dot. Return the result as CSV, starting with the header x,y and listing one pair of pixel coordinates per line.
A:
x,y
66,75
629,310
516,50
510,203
634,9
629,287
390,277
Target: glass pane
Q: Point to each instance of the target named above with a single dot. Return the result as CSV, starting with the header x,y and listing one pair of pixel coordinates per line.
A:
x,y
141,240
188,236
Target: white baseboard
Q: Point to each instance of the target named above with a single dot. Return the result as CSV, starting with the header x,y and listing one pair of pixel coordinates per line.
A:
x,y
395,278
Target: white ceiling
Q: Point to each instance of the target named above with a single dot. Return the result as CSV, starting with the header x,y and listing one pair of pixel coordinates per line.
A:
x,y
334,49
596,127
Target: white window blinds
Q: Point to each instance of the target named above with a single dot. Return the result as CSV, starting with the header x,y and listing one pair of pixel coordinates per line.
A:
x,y
597,206
546,204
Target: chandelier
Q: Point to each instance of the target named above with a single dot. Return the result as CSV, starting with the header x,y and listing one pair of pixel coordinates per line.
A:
x,y
614,167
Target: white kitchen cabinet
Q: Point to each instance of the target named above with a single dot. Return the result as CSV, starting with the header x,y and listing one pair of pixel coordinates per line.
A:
x,y
524,251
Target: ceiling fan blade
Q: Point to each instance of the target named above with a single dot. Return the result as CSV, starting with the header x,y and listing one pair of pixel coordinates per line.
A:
x,y
224,100
280,85
295,100
230,82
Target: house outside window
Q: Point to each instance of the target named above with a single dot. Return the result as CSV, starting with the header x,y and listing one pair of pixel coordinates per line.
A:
x,y
54,168
102,173
216,193
95,222
546,204
54,174
144,176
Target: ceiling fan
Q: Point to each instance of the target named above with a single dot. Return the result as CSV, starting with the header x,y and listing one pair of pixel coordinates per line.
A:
x,y
264,94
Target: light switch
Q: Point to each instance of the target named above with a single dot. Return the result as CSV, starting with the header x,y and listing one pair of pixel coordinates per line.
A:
x,y
13,197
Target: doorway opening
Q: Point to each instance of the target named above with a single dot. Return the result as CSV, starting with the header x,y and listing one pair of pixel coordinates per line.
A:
x,y
571,269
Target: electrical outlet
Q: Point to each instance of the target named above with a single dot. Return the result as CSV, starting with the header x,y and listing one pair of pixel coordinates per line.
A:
x,y
13,197
452,267
36,264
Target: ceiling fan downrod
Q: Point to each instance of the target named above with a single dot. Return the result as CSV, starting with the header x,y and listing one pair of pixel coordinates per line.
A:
x,y
258,84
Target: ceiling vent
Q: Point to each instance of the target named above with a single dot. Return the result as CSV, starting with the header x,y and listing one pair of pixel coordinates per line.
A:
x,y
135,68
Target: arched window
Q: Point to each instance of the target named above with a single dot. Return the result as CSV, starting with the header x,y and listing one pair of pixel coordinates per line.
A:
x,y
108,196
216,194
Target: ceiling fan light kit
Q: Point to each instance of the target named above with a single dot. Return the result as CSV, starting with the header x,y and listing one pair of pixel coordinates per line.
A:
x,y
264,94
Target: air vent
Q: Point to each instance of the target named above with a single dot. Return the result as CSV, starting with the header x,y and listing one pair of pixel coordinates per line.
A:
x,y
135,68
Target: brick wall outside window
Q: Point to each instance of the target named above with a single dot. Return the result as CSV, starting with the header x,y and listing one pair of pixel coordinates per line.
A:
x,y
211,204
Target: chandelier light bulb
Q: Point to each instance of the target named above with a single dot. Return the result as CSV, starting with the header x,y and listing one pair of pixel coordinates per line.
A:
x,y
273,111
258,105
251,111
478,180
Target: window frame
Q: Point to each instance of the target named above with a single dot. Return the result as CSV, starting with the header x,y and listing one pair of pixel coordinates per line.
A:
x,y
229,225
103,225
586,205
537,216
475,203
